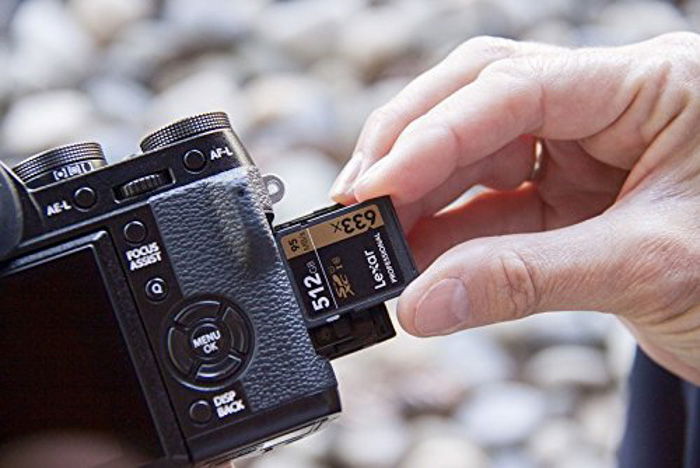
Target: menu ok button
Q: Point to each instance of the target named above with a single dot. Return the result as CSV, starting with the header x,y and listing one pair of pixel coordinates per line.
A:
x,y
207,340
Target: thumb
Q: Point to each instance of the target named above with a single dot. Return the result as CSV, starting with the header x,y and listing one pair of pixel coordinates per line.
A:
x,y
587,266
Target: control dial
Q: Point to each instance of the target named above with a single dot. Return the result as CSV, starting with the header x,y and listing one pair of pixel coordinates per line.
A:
x,y
63,162
185,128
208,342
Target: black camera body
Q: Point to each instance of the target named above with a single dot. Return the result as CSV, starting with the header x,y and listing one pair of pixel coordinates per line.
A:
x,y
148,300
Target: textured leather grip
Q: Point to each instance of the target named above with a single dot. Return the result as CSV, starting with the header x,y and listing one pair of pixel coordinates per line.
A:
x,y
220,242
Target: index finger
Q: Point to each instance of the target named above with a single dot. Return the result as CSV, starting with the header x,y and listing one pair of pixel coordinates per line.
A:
x,y
569,95
458,69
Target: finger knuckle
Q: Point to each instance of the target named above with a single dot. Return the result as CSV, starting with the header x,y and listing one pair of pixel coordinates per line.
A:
x,y
683,38
507,67
413,128
525,82
513,288
495,47
515,68
676,55
384,120
381,115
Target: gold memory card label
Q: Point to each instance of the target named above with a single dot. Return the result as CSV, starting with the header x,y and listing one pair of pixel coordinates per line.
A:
x,y
346,257
335,230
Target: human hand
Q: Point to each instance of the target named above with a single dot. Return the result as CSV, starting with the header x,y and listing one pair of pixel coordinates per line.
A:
x,y
611,223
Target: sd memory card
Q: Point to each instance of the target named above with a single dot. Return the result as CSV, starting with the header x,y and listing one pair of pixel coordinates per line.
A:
x,y
346,258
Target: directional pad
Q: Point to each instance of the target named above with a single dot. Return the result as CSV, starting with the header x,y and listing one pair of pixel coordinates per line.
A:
x,y
208,341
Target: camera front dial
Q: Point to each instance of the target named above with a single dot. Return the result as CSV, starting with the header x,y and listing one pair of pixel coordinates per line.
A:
x,y
63,162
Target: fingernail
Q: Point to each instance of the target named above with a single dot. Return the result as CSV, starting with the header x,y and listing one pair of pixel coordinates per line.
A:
x,y
442,308
373,175
344,182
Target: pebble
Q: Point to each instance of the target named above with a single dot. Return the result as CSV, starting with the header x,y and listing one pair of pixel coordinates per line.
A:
x,y
294,108
118,99
7,9
254,59
216,62
305,29
553,31
427,391
585,457
622,23
105,18
524,15
445,451
475,358
451,25
7,86
602,418
554,440
376,37
512,458
353,104
621,348
49,47
376,445
207,90
211,23
31,123
503,414
585,328
118,142
140,50
567,365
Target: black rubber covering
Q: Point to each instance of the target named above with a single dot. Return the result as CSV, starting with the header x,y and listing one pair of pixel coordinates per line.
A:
x,y
11,219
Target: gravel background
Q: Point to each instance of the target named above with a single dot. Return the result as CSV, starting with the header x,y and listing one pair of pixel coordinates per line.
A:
x,y
298,78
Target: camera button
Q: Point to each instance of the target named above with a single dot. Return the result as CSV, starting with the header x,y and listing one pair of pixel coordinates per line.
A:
x,y
207,340
237,329
200,412
191,315
194,160
156,289
84,197
218,370
135,232
178,349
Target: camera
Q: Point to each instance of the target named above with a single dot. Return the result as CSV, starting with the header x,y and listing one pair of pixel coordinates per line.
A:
x,y
153,301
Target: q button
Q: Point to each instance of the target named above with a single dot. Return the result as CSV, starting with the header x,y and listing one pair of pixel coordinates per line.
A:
x,y
156,289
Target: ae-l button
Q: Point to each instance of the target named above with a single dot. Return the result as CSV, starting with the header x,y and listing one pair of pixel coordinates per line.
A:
x,y
84,197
